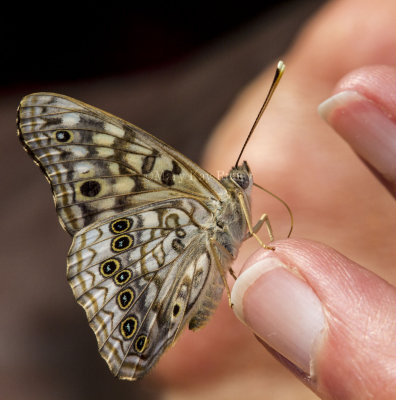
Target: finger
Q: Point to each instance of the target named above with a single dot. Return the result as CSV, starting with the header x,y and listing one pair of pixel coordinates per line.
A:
x,y
331,321
363,112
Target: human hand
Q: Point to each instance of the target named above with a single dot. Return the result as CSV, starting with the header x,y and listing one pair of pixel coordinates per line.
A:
x,y
335,199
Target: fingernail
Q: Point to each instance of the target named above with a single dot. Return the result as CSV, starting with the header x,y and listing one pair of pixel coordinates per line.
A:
x,y
365,125
280,308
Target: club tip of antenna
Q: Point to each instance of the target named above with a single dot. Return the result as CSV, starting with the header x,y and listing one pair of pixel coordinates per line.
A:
x,y
280,69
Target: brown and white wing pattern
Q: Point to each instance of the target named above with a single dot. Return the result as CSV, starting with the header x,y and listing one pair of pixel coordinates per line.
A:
x,y
143,218
141,277
99,165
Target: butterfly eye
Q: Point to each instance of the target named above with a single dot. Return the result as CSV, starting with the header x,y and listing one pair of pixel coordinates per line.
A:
x,y
241,178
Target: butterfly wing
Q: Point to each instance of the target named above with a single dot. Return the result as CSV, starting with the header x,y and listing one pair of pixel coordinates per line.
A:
x,y
99,165
141,214
140,277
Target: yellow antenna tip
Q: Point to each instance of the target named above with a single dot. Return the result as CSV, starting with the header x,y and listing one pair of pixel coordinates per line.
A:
x,y
278,75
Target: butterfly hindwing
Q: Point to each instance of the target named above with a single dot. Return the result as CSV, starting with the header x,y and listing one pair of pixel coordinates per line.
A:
x,y
99,165
141,277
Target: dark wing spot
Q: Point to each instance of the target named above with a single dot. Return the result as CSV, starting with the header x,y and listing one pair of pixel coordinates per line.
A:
x,y
176,168
139,187
122,242
90,188
123,277
125,298
51,120
120,225
177,245
167,178
141,343
148,164
109,267
128,327
63,136
176,310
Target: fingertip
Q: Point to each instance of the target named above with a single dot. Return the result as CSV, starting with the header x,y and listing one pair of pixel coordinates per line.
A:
x,y
375,82
281,309
327,316
362,111
337,101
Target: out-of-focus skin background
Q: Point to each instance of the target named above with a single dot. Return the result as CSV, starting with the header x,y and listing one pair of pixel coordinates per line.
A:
x,y
172,71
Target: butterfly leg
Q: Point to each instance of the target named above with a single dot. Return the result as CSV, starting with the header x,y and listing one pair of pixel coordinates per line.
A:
x,y
263,220
252,230
217,246
232,273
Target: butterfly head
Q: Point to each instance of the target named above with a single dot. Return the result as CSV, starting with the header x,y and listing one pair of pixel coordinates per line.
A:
x,y
232,215
241,177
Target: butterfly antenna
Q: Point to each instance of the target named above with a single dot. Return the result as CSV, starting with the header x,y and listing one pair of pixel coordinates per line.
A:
x,y
278,75
284,203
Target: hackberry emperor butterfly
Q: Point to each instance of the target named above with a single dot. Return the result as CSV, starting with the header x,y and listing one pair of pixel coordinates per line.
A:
x,y
153,234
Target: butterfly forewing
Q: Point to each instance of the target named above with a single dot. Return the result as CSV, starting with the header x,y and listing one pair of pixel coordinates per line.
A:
x,y
99,165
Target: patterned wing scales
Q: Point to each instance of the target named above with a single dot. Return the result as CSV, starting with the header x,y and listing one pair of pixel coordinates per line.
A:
x,y
140,277
99,165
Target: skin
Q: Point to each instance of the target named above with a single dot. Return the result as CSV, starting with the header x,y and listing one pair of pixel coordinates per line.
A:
x,y
341,191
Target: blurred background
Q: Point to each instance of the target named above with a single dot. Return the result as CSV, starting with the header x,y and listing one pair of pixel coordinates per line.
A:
x,y
171,69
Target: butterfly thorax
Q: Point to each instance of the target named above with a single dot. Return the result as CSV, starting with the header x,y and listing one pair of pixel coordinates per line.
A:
x,y
230,219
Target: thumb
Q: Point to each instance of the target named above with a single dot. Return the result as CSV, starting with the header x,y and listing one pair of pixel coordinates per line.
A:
x,y
330,321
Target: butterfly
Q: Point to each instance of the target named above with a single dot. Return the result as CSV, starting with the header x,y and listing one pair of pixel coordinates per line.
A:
x,y
153,234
